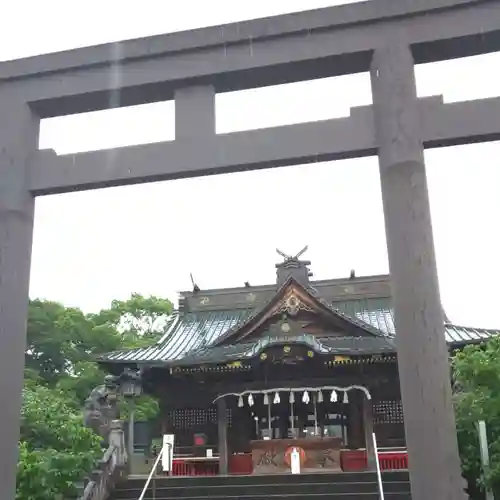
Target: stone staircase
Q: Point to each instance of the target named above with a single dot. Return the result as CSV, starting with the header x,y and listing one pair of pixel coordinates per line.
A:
x,y
344,486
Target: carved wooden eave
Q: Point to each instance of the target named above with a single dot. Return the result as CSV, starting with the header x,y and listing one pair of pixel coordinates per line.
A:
x,y
291,299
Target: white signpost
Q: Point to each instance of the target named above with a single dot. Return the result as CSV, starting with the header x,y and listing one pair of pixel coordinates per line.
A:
x,y
295,461
167,452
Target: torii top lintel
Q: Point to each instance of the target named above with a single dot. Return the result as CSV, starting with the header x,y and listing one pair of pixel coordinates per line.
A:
x,y
193,66
254,53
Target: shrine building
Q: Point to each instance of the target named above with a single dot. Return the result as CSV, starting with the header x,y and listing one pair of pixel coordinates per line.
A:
x,y
244,375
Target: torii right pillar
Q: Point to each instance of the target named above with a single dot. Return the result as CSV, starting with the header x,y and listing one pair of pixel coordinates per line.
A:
x,y
423,358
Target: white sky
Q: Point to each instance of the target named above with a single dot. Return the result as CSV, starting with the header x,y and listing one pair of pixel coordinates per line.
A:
x,y
92,247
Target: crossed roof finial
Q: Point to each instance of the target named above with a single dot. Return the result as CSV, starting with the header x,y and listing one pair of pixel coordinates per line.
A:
x,y
287,257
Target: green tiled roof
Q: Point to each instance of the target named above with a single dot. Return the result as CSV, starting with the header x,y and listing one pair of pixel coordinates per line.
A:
x,y
374,312
196,331
326,345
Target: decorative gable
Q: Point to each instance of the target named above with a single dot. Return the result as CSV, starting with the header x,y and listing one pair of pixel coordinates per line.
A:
x,y
296,305
292,302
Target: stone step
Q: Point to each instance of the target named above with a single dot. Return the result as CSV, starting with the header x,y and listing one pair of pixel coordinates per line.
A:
x,y
260,490
301,496
344,486
210,481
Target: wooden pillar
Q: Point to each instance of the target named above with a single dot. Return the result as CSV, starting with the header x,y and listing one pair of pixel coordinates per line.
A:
x,y
422,352
166,424
18,141
367,406
355,420
222,436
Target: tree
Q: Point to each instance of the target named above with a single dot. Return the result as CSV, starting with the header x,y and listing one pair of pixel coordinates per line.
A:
x,y
59,337
140,320
476,373
63,341
56,450
85,376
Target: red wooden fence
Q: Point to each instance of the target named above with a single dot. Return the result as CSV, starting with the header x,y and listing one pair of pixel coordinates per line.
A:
x,y
351,461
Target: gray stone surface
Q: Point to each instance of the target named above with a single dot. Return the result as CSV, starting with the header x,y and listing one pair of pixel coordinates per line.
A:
x,y
422,352
350,137
18,141
270,51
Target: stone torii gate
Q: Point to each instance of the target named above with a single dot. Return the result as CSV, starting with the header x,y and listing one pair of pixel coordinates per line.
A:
x,y
386,37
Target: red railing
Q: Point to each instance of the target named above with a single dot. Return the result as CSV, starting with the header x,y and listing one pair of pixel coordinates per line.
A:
x,y
351,461
186,467
393,460
355,460
240,464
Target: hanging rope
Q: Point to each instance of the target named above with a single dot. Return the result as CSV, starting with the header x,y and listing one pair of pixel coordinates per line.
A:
x,y
333,388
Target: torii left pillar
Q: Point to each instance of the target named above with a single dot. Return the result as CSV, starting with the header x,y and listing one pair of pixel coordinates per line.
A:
x,y
18,141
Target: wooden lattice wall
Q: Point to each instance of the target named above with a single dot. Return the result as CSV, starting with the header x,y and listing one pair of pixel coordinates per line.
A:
x,y
388,422
186,422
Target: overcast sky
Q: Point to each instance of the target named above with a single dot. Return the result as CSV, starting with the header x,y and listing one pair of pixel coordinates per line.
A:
x,y
94,246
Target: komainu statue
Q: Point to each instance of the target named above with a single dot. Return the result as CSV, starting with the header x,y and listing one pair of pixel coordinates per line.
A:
x,y
101,407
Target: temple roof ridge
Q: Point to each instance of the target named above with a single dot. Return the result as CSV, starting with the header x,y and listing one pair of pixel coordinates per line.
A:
x,y
171,348
292,281
225,319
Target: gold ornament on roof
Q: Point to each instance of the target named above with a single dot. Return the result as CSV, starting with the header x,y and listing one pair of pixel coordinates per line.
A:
x,y
285,327
292,304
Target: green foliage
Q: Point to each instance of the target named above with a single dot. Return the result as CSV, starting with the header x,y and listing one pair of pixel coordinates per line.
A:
x,y
146,408
84,377
140,320
59,337
55,448
476,371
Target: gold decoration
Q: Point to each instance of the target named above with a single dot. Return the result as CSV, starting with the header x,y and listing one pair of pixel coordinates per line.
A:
x,y
292,304
286,349
310,354
263,356
341,359
285,327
